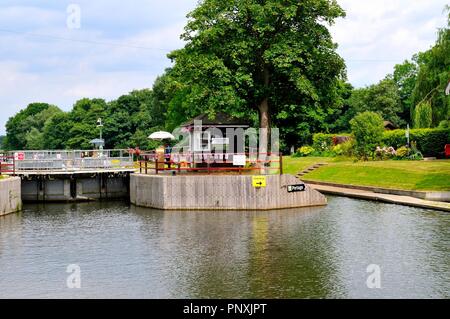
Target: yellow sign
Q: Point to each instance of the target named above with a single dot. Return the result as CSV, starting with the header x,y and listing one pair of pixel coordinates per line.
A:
x,y
259,181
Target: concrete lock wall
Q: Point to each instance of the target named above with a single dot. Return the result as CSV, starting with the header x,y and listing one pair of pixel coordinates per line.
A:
x,y
10,195
80,187
219,192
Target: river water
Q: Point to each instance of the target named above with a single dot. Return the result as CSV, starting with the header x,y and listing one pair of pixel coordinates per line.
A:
x,y
129,252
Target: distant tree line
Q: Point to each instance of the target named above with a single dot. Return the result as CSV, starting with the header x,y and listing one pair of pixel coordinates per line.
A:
x,y
273,63
127,122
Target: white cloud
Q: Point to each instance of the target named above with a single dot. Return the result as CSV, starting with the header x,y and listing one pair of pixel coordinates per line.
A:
x,y
378,34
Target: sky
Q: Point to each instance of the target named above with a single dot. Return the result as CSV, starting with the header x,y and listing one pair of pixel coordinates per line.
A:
x,y
59,51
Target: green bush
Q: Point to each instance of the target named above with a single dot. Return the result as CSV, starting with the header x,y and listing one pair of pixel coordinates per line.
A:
x,y
402,152
348,148
368,128
443,125
430,142
305,150
338,149
323,142
415,154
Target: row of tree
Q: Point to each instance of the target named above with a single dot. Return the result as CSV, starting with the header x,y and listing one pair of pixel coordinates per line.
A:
x,y
127,122
273,63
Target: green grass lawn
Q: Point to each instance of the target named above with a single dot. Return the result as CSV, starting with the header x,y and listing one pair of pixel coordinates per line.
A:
x,y
408,175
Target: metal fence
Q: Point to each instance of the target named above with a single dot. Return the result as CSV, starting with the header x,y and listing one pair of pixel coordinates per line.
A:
x,y
7,165
67,161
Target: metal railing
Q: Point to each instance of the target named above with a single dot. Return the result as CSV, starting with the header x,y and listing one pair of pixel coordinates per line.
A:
x,y
68,161
7,165
212,163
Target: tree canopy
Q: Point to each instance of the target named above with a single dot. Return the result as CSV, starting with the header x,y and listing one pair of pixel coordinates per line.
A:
x,y
382,98
272,58
25,129
127,123
433,76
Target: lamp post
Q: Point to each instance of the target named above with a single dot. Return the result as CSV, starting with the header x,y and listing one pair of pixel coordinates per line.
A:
x,y
407,135
100,126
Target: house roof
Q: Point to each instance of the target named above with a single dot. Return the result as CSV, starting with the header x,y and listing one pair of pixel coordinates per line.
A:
x,y
389,125
220,119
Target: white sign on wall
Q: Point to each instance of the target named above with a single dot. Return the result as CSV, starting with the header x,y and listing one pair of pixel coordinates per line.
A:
x,y
239,160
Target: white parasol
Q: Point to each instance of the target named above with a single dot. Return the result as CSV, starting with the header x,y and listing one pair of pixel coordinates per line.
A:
x,y
159,136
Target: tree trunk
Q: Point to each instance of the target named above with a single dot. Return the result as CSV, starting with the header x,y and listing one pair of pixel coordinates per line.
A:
x,y
264,120
264,123
264,115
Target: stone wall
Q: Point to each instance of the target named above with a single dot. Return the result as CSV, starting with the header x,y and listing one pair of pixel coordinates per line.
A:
x,y
10,195
199,192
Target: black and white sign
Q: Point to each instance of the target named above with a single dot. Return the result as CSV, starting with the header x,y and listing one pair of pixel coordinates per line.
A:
x,y
296,188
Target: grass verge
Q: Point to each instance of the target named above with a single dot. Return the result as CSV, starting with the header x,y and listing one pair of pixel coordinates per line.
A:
x,y
407,175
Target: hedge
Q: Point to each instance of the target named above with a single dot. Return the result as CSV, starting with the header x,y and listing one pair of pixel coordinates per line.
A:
x,y
430,142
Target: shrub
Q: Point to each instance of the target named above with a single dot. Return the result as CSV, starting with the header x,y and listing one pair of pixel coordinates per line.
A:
x,y
430,142
368,130
443,125
348,148
325,144
305,150
338,149
322,142
329,153
403,152
385,152
423,115
415,154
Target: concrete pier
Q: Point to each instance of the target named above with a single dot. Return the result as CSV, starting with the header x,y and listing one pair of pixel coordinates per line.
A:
x,y
10,195
225,192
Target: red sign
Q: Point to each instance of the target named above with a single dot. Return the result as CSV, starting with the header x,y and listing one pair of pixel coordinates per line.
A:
x,y
19,156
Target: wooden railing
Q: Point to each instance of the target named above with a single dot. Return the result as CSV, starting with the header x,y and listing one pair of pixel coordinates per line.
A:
x,y
211,163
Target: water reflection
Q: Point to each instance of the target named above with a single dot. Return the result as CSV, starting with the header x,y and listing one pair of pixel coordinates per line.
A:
x,y
127,252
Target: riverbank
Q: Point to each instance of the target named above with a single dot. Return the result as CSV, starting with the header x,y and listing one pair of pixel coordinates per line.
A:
x,y
10,195
376,195
400,175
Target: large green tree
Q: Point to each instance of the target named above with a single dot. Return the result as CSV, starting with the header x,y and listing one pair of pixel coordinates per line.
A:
x,y
382,98
405,77
129,119
57,131
25,129
434,75
272,58
83,119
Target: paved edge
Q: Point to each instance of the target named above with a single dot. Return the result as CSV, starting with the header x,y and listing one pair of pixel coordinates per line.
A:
x,y
387,198
435,196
